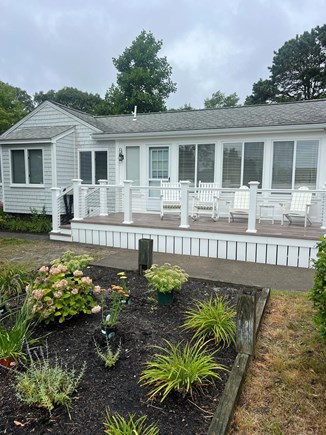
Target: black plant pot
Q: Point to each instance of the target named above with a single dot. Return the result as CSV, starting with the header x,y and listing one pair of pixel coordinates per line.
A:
x,y
3,310
109,331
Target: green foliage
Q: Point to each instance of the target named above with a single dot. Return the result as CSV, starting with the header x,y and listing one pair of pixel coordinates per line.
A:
x,y
143,79
46,386
14,105
17,333
213,318
179,369
297,72
37,222
73,261
60,292
108,355
218,99
318,292
166,278
73,98
13,279
118,425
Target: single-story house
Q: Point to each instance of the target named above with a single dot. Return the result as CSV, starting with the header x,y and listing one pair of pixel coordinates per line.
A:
x,y
282,146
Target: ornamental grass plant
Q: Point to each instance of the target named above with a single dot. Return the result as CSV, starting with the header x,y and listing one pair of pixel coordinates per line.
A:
x,y
212,319
180,368
118,425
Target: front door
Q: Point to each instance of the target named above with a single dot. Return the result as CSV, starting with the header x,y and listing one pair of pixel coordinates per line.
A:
x,y
158,168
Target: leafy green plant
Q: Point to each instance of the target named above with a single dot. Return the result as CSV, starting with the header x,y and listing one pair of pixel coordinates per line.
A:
x,y
46,386
37,222
57,295
318,292
212,318
166,278
13,279
108,356
111,304
118,425
179,368
73,261
17,333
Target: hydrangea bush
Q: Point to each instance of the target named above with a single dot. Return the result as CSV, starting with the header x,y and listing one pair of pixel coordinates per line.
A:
x,y
166,278
60,292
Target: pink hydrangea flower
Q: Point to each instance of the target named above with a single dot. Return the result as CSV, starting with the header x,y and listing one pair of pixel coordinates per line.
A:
x,y
58,294
96,309
97,289
86,280
74,291
78,273
43,269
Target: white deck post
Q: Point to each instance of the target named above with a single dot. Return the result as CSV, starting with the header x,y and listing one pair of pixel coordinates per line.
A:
x,y
76,183
323,208
103,198
127,202
252,207
83,208
184,220
55,210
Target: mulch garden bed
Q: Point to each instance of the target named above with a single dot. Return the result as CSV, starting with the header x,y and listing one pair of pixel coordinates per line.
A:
x,y
143,324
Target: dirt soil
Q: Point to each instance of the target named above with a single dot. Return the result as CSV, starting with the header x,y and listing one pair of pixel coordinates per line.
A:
x,y
143,324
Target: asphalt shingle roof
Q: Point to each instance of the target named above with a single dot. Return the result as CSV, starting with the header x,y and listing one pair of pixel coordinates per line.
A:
x,y
36,132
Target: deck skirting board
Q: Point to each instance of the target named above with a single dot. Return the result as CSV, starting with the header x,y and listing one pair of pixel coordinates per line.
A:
x,y
258,249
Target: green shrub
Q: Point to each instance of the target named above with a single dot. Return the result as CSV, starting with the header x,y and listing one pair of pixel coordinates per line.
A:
x,y
72,261
166,278
212,318
13,279
179,369
118,425
37,222
46,386
318,292
60,292
108,355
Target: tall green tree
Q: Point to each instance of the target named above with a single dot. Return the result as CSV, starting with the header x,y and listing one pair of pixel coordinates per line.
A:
x,y
297,72
14,105
143,78
218,99
71,97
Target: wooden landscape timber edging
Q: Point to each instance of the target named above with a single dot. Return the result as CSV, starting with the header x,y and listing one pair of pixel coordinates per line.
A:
x,y
224,411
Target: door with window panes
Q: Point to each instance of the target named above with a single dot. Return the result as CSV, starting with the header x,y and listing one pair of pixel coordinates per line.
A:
x,y
158,168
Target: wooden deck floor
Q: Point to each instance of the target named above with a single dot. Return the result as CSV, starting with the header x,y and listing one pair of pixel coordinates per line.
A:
x,y
266,228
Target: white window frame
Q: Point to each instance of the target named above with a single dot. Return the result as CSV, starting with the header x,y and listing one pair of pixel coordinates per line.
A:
x,y
243,143
93,162
198,144
295,141
26,166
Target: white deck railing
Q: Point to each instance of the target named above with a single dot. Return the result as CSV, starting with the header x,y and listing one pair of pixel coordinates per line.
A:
x,y
102,199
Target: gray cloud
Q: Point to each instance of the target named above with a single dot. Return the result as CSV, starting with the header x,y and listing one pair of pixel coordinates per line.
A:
x,y
210,45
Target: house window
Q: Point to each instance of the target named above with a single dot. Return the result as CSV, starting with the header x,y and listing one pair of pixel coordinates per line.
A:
x,y
27,166
93,166
158,168
196,163
295,164
242,163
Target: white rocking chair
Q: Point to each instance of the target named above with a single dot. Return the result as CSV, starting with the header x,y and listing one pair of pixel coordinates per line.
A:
x,y
299,207
170,198
240,204
205,201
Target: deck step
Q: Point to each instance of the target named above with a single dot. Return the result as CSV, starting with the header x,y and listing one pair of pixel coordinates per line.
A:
x,y
63,236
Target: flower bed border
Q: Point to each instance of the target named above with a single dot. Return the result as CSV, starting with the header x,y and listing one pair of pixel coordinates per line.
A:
x,y
224,411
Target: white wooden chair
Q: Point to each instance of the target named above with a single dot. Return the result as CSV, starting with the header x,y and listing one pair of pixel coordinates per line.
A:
x,y
240,206
205,201
299,207
170,198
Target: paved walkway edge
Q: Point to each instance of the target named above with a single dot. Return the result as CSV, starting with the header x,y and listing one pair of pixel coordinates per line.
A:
x,y
225,409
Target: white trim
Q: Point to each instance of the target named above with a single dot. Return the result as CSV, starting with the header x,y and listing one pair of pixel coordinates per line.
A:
x,y
25,141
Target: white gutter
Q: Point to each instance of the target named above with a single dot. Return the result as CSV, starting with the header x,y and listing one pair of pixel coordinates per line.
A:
x,y
210,132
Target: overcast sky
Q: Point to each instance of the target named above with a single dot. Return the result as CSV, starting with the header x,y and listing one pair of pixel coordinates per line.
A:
x,y
211,45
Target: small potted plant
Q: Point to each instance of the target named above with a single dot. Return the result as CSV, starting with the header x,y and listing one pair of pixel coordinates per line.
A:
x,y
166,279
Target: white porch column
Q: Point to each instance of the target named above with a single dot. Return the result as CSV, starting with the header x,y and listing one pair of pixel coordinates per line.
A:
x,y
323,208
252,207
83,208
55,209
184,220
103,198
127,202
76,183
